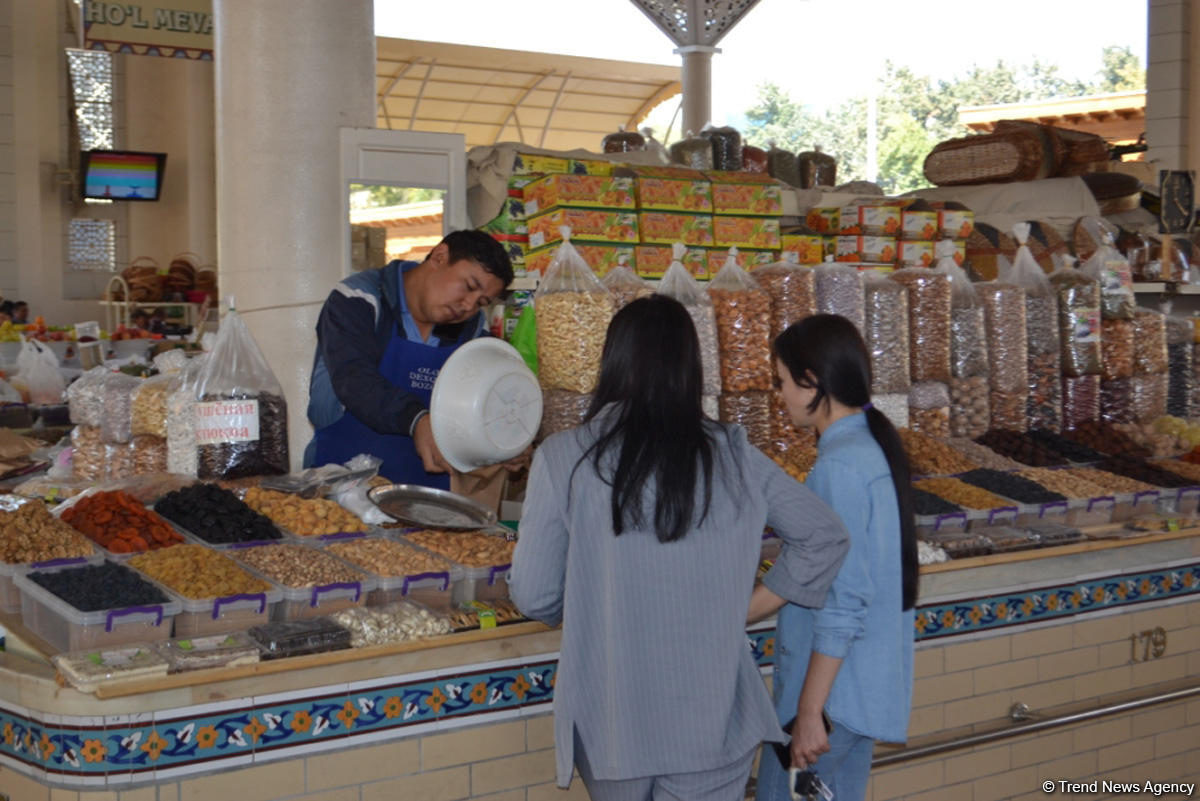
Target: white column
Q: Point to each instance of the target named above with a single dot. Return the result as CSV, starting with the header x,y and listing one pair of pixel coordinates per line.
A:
x,y
1169,71
290,74
697,85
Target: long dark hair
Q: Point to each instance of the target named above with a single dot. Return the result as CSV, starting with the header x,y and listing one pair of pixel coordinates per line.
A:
x,y
826,353
650,375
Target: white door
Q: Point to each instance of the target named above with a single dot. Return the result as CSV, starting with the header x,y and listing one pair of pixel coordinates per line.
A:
x,y
394,178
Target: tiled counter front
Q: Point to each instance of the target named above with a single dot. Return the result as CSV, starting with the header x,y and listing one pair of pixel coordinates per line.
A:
x,y
1042,633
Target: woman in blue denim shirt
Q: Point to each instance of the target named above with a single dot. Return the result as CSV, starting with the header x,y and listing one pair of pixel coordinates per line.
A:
x,y
853,658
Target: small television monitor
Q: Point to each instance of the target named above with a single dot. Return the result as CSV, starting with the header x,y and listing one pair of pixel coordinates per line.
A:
x,y
122,174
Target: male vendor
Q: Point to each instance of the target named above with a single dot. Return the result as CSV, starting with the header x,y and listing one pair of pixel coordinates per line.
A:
x,y
382,337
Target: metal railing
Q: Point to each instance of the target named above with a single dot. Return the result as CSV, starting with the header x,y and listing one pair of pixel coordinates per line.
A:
x,y
1027,722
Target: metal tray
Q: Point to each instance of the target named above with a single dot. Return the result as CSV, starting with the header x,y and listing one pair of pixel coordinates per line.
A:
x,y
432,508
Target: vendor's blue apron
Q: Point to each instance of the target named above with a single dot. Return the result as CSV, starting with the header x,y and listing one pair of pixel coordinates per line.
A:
x,y
412,367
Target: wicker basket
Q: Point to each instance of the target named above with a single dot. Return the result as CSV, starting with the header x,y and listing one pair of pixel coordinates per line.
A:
x,y
1054,147
1045,243
181,274
1013,155
984,247
145,284
1083,244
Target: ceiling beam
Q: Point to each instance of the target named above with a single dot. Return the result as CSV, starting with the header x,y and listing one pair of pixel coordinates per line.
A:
x,y
562,87
512,112
412,119
392,85
664,92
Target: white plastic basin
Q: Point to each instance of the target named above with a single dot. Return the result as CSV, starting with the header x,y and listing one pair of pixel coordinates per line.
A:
x,y
486,405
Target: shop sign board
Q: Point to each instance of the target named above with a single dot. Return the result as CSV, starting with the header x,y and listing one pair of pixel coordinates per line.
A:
x,y
169,28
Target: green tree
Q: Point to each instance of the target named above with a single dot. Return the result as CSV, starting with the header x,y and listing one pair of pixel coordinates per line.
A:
x,y
1122,71
915,112
377,195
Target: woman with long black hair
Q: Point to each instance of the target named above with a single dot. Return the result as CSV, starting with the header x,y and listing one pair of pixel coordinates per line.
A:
x,y
852,658
641,533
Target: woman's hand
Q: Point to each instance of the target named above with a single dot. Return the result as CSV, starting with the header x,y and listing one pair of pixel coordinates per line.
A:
x,y
809,740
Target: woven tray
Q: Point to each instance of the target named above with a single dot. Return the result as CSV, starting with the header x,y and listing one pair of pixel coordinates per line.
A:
x,y
1016,155
984,246
1054,147
1082,243
1045,243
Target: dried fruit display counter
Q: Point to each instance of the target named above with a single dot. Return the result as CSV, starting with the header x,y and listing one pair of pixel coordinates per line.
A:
x,y
1043,627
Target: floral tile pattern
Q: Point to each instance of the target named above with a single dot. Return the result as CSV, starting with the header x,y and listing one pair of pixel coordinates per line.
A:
x,y
1047,603
73,751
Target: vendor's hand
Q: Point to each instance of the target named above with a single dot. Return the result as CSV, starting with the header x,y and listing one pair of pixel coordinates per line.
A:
x,y
809,740
518,463
427,448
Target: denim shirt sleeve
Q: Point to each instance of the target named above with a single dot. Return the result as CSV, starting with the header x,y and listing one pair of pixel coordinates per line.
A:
x,y
843,617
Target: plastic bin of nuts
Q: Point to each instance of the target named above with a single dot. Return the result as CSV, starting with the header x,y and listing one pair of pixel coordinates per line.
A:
x,y
402,571
313,582
216,594
961,544
484,555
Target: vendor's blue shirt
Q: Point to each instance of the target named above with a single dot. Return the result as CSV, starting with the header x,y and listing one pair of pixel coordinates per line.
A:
x,y
411,332
861,622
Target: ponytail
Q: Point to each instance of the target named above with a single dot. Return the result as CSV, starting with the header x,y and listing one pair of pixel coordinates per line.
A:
x,y
893,450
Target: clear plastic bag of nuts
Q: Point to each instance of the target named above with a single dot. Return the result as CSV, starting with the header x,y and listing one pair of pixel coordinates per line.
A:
x,y
792,289
1195,402
1044,404
115,423
1081,400
149,409
840,291
1078,321
1116,348
679,284
885,330
89,461
1149,342
1180,369
970,414
929,408
894,407
928,322
562,410
751,410
85,397
968,325
1112,271
1149,396
182,450
573,313
743,314
625,286
1007,410
1004,318
1116,400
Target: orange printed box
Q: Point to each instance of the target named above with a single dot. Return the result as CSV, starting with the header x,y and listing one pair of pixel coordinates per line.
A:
x,y
587,225
685,190
534,163
809,248
600,256
960,252
669,227
873,249
747,259
579,191
870,218
915,254
746,232
589,167
918,225
745,193
955,223
654,260
824,219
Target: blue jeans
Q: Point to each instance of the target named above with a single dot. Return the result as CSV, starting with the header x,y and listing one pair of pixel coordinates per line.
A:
x,y
844,769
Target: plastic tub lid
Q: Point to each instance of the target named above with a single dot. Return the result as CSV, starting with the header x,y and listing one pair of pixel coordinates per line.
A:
x,y
486,405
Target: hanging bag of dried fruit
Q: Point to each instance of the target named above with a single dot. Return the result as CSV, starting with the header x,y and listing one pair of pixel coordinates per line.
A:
x,y
240,411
